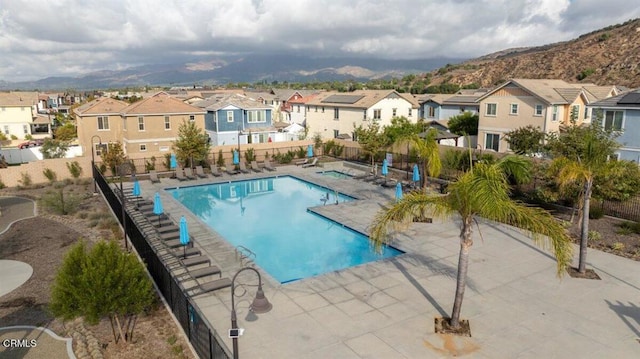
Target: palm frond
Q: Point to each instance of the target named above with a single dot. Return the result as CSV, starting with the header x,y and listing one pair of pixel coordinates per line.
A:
x,y
517,167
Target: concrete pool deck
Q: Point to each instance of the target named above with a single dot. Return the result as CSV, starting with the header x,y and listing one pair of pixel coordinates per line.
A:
x,y
516,305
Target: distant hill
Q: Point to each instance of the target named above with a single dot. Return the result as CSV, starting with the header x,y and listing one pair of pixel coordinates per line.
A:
x,y
610,56
248,69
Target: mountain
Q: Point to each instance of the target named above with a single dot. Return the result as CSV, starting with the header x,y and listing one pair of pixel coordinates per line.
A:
x,y
609,56
248,68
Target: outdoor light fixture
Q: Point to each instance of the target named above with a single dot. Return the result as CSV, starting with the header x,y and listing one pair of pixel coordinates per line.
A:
x,y
93,161
259,305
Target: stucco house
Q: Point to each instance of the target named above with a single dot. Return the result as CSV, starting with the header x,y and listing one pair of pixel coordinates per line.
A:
x,y
18,112
336,114
441,107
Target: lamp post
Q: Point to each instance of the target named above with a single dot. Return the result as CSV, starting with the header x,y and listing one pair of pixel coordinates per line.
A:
x,y
259,305
93,161
239,134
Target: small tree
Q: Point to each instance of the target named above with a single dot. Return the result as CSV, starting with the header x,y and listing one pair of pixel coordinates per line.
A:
x,y
526,140
114,156
66,133
220,159
372,140
50,175
465,124
54,148
192,143
74,169
102,282
60,203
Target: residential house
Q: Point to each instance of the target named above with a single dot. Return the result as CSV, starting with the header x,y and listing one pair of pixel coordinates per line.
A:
x,y
441,107
336,114
234,118
542,103
622,113
98,122
17,114
298,111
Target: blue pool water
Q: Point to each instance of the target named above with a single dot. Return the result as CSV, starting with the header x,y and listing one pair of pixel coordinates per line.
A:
x,y
335,174
269,216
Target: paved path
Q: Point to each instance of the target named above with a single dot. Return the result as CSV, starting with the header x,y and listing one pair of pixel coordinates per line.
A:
x,y
516,305
14,273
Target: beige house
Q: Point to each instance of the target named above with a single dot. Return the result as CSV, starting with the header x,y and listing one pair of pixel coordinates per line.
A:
x,y
336,114
18,111
546,104
145,128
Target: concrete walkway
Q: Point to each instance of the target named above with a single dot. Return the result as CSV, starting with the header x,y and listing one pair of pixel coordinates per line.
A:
x,y
516,305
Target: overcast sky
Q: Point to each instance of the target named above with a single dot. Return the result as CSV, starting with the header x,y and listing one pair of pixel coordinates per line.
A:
x,y
42,38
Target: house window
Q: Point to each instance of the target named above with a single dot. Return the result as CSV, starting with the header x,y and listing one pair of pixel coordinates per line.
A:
x,y
538,110
614,157
393,112
143,148
586,113
410,112
513,109
140,123
364,115
25,129
192,118
575,113
613,120
103,122
554,114
167,123
492,141
256,116
431,111
229,116
377,114
336,133
298,108
354,136
322,109
336,113
492,109
6,130
100,148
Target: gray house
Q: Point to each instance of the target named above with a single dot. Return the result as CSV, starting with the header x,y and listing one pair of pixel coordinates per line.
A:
x,y
622,113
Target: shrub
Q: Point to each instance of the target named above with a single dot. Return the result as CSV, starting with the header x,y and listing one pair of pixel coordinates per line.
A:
x,y
60,203
74,169
167,160
301,152
25,180
617,246
250,155
102,168
14,137
220,161
628,227
28,137
50,175
585,73
596,213
604,37
595,236
150,165
2,185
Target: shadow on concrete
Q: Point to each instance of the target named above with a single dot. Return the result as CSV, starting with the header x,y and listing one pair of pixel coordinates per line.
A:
x,y
628,314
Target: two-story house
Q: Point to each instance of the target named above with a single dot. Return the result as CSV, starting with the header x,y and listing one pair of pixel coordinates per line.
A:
x,y
336,114
298,112
542,103
441,107
237,119
622,113
98,122
17,113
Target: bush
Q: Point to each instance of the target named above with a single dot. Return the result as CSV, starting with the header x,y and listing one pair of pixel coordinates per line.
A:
x,y
14,137
60,203
596,213
301,152
284,158
150,165
50,175
28,137
74,169
628,227
250,155
594,236
220,161
25,180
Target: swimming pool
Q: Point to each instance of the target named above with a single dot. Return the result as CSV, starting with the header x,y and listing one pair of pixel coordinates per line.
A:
x,y
335,174
269,216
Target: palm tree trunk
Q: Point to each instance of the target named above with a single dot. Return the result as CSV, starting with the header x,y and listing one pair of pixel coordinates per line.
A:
x,y
463,266
584,234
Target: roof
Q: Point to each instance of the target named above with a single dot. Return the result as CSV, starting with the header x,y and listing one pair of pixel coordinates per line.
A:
x,y
552,92
218,102
363,99
630,99
41,119
304,99
160,103
18,99
596,93
102,105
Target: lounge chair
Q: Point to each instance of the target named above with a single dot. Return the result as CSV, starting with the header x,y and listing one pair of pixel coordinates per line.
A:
x,y
303,162
215,171
203,272
268,166
312,163
213,285
194,261
232,170
180,175
200,172
153,176
255,167
243,168
188,172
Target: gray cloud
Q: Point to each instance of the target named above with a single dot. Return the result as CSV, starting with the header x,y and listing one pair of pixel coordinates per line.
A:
x,y
41,38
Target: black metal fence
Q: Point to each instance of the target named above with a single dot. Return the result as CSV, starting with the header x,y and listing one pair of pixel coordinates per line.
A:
x,y
200,332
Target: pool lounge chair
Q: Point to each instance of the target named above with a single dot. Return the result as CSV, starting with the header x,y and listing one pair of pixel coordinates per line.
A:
x,y
212,285
180,175
243,168
215,171
312,164
188,172
153,176
303,162
200,172
268,166
255,167
231,170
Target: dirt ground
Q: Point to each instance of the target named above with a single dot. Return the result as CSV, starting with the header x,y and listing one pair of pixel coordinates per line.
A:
x,y
42,242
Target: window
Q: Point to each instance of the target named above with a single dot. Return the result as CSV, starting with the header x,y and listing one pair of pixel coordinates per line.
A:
x,y
229,116
364,115
6,130
192,118
103,122
575,113
492,141
143,147
377,114
393,112
538,110
100,148
614,157
256,116
336,113
298,108
554,114
513,109
431,111
410,112
586,113
163,148
322,109
613,120
354,136
140,123
492,109
336,133
167,123
25,129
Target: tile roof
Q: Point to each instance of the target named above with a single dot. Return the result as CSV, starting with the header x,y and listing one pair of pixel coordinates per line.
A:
x,y
215,103
613,101
102,105
556,92
160,103
18,98
367,98
304,99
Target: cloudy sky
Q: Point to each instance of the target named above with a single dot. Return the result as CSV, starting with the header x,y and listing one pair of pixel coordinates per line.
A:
x,y
42,38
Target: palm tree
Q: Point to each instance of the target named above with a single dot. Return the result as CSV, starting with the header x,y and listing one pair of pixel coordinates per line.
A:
x,y
429,154
483,191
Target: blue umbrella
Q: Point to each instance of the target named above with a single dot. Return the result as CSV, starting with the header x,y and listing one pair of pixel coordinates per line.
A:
x,y
157,206
184,234
236,157
398,191
173,163
385,168
136,190
416,173
310,151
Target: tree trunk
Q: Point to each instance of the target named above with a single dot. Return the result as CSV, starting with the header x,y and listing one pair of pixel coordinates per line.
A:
x,y
584,234
120,328
463,265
